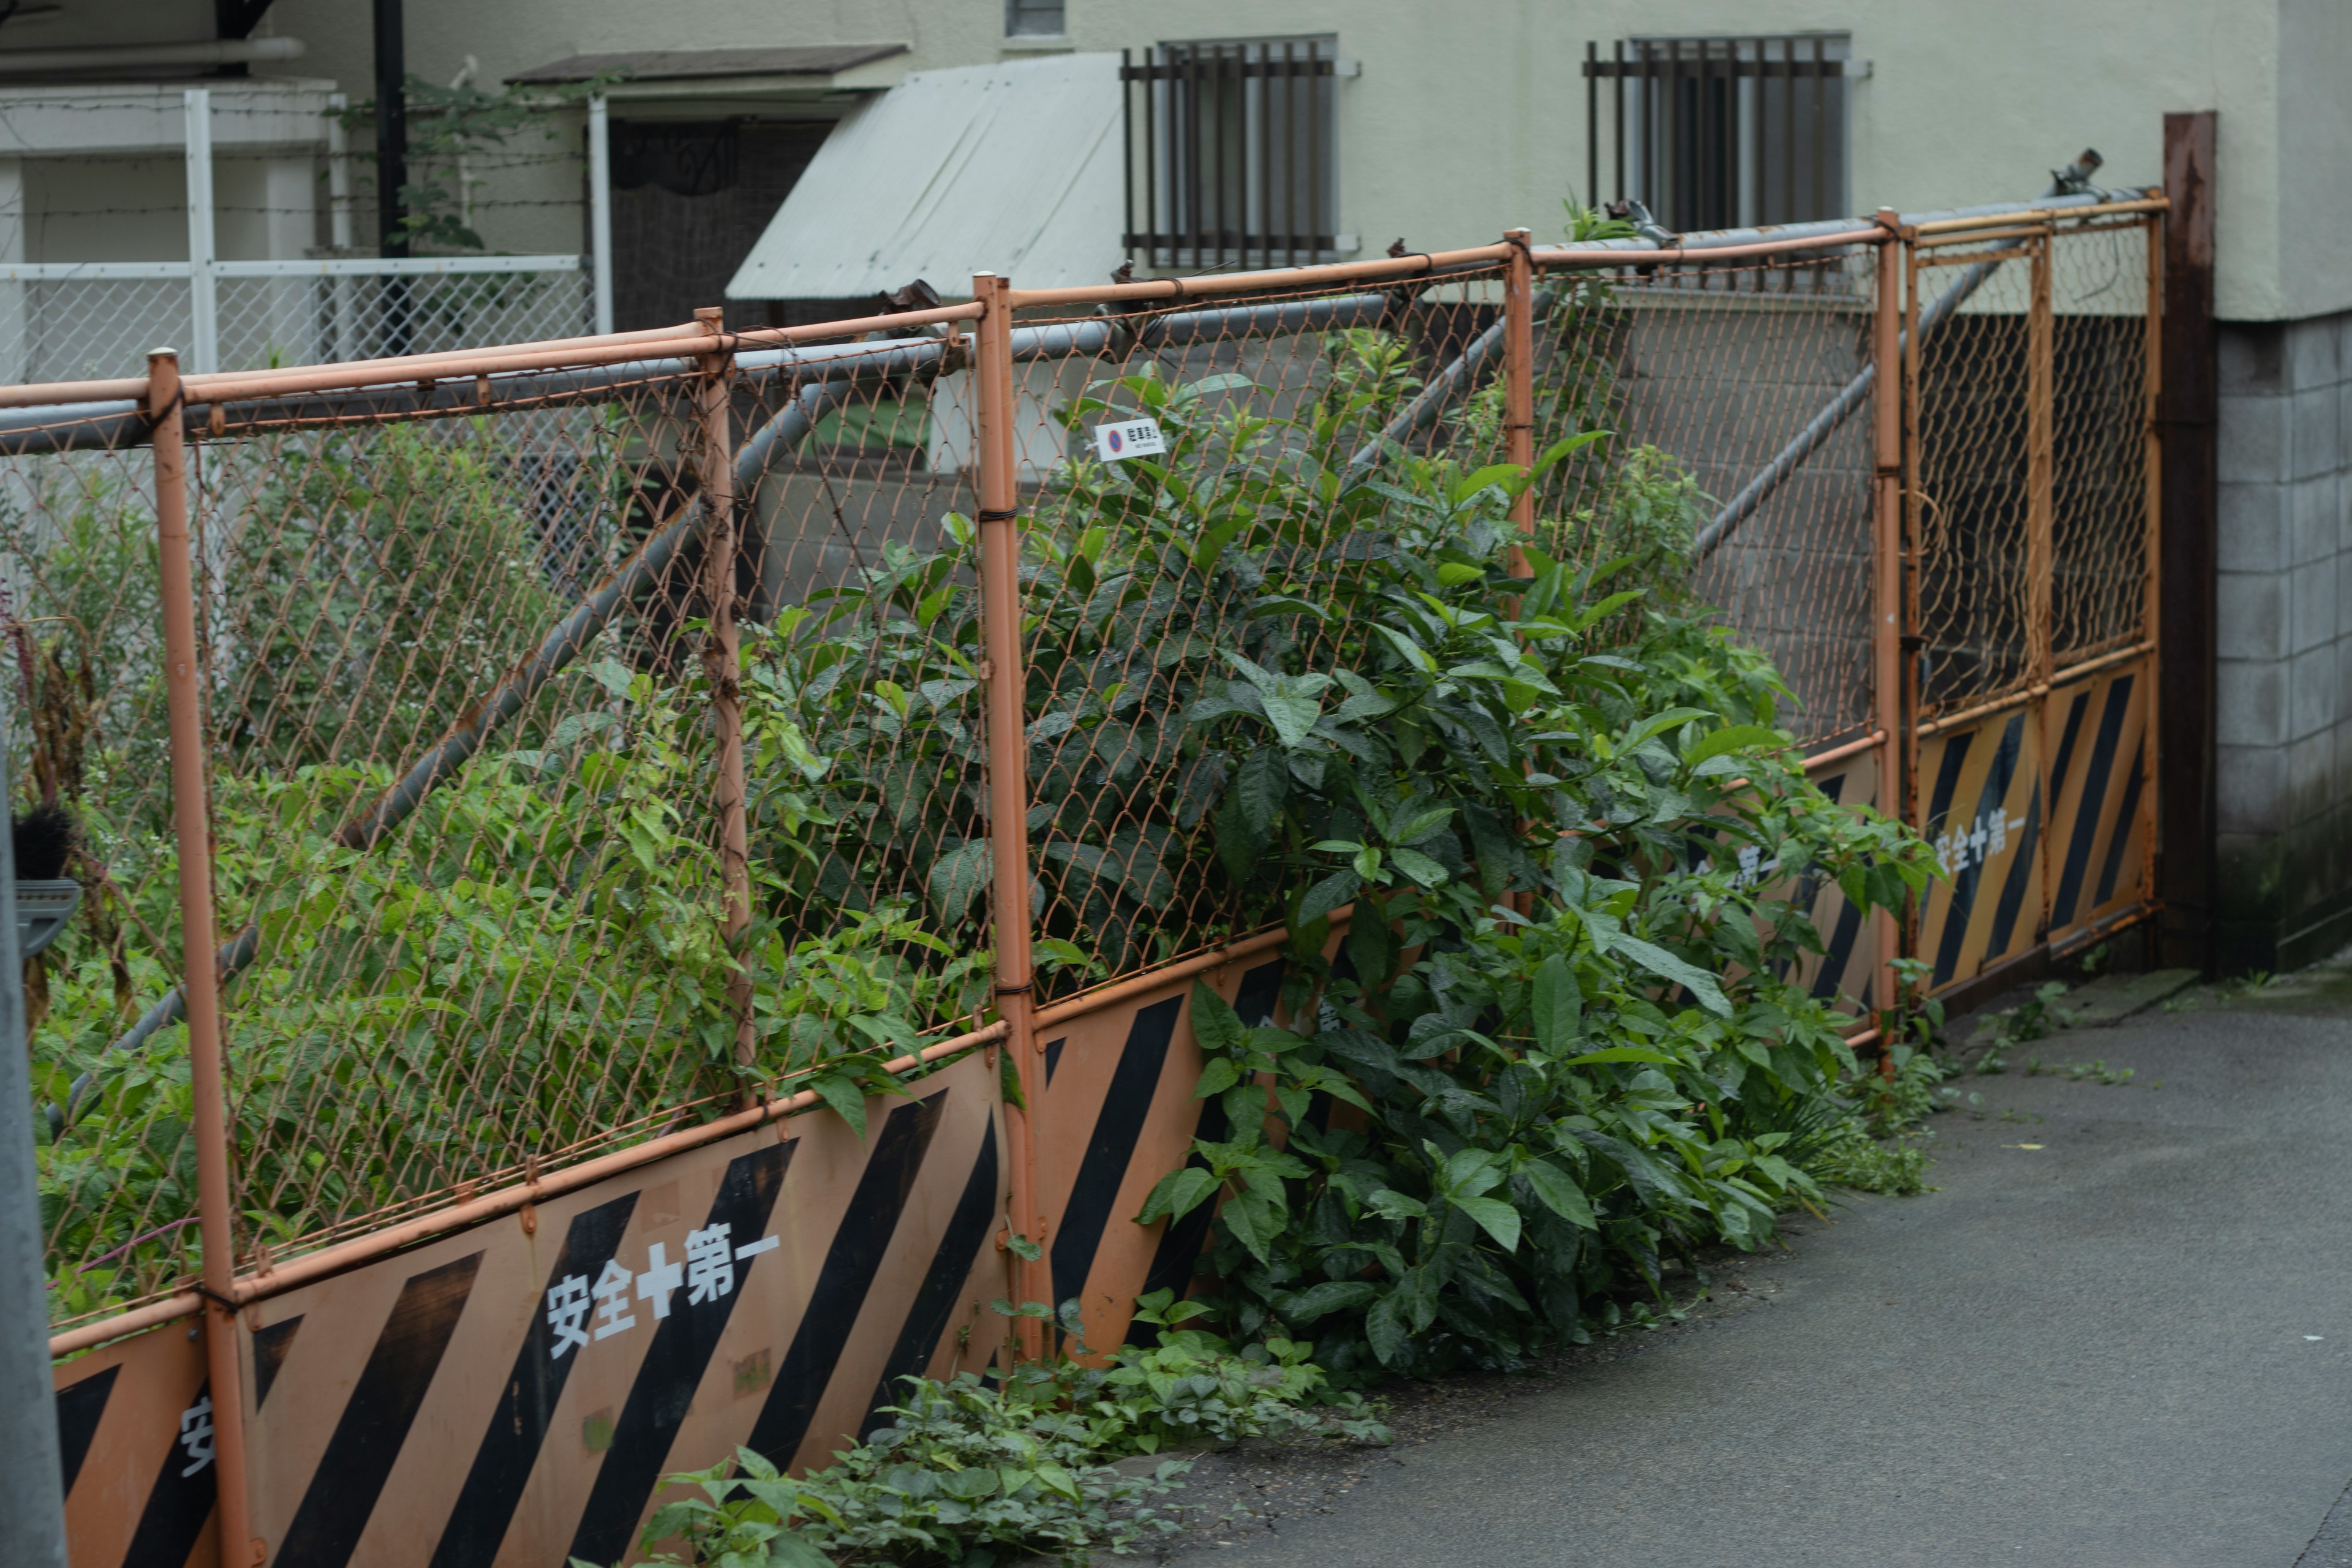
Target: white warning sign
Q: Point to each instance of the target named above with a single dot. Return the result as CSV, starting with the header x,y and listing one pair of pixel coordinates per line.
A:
x,y
1129,438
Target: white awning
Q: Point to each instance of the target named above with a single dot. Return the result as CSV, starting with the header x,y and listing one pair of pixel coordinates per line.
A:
x,y
1012,168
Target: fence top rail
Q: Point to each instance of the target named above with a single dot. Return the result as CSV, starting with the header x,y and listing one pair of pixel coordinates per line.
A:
x,y
2049,213
1562,255
308,266
1268,280
399,266
685,345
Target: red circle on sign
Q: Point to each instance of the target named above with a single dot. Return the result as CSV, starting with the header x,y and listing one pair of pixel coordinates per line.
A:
x,y
1115,442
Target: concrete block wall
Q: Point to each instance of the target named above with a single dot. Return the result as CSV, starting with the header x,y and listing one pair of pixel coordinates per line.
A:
x,y
2283,685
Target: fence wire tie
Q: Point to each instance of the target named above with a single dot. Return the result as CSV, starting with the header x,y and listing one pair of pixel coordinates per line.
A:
x,y
179,404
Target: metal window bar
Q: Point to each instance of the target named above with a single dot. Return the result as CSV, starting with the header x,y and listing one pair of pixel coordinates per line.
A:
x,y
1229,153
1694,142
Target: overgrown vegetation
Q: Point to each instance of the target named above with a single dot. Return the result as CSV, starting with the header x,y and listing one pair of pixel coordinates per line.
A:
x,y
1566,1036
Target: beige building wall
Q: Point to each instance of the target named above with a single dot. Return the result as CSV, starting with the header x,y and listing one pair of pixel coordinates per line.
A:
x,y
1468,119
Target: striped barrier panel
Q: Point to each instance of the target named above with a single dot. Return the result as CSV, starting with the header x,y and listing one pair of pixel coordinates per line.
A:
x,y
512,1393
2040,821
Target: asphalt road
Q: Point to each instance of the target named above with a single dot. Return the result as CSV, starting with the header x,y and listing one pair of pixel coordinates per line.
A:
x,y
2128,1346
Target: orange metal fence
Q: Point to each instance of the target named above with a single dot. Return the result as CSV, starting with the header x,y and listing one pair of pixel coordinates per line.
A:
x,y
512,782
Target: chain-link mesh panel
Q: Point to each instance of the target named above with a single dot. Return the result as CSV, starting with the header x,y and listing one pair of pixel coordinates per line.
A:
x,y
460,682
317,320
1739,400
2099,423
459,963
1146,580
1970,493
69,328
866,635
90,734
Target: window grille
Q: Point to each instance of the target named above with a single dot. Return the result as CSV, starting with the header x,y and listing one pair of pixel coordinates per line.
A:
x,y
1721,132
1229,156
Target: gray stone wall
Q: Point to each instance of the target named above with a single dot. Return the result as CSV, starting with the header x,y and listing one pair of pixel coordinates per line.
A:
x,y
2283,687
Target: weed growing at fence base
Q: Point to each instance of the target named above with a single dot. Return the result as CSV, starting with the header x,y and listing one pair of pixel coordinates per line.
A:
x,y
975,1473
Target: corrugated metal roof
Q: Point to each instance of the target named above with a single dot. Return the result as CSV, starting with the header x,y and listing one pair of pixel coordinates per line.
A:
x,y
705,65
1012,168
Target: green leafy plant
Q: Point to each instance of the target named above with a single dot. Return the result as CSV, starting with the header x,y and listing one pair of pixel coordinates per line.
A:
x,y
2035,1018
1557,1038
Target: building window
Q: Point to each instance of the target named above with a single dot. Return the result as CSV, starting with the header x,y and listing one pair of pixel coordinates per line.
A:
x,y
1032,19
1231,153
1721,132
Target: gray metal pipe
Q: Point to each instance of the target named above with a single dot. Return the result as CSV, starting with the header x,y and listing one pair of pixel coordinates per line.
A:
x,y
1443,388
32,1492
1850,398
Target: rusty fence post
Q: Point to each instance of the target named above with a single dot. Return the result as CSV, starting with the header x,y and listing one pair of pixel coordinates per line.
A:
x,y
722,666
1008,778
2187,877
192,831
2040,400
2151,623
1889,712
1520,381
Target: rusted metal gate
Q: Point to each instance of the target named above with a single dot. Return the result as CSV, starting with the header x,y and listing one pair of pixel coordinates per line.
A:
x,y
2030,466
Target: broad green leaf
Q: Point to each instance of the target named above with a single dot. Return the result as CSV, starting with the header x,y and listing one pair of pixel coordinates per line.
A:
x,y
1731,738
1620,1054
1667,967
1262,785
1292,715
1557,1004
1388,1329
1659,724
791,1550
1558,1190
1221,1074
1419,867
1331,892
1178,1195
959,876
1254,1221
1331,1296
846,1096
1215,1024
1496,1217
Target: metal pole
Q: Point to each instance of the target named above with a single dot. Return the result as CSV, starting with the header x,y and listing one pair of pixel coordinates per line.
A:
x,y
1886,685
2039,394
2152,553
2188,880
599,208
1520,381
390,128
722,666
338,174
1907,800
204,309
1008,776
31,1497
392,166
190,822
